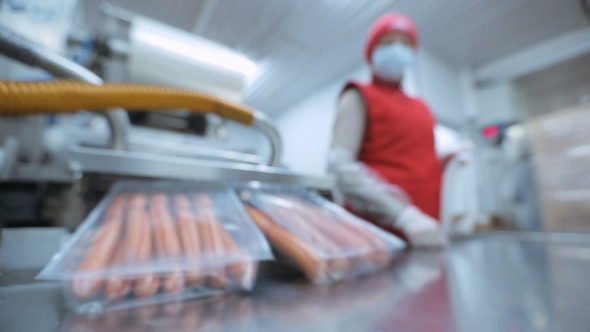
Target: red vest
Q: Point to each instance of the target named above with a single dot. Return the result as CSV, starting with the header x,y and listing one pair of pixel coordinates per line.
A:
x,y
399,145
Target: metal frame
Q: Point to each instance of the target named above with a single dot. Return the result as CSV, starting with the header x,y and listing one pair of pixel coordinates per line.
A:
x,y
33,54
121,162
150,165
264,124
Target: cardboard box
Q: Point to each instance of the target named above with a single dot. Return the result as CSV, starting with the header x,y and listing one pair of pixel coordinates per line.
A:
x,y
560,144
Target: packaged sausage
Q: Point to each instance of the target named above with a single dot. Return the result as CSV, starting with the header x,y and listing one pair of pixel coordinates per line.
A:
x,y
154,242
325,241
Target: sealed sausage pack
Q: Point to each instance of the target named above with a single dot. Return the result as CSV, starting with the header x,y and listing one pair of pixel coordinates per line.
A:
x,y
149,243
325,241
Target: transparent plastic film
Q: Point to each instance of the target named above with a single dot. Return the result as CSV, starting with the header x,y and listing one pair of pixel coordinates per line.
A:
x,y
325,241
157,242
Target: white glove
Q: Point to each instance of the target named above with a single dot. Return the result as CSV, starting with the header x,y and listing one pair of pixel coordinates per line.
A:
x,y
422,230
365,191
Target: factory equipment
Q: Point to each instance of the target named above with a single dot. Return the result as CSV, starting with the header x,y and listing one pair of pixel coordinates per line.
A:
x,y
56,173
133,48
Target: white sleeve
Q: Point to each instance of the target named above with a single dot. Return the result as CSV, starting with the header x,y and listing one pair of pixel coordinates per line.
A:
x,y
351,118
446,141
365,191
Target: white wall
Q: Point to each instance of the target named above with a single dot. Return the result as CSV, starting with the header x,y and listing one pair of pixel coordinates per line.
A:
x,y
498,103
306,128
440,85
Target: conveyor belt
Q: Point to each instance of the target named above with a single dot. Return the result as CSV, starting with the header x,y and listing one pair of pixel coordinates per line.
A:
x,y
498,282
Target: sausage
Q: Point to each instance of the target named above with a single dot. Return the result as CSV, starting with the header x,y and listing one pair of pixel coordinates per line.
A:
x,y
117,286
339,231
189,236
312,265
138,241
326,224
212,239
207,246
337,261
350,246
147,285
167,242
381,253
347,234
101,251
243,267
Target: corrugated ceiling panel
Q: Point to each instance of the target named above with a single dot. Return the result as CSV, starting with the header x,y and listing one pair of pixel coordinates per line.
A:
x,y
275,71
265,30
498,28
317,73
178,13
343,53
318,23
301,45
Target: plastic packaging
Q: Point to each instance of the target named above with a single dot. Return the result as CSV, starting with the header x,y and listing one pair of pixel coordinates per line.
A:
x,y
325,241
149,243
560,146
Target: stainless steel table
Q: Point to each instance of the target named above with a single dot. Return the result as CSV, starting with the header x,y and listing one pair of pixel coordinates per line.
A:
x,y
497,282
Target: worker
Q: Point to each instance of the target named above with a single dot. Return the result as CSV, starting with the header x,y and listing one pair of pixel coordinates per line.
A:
x,y
383,147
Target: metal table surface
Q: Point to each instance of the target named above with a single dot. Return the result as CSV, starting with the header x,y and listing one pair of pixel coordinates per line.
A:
x,y
497,282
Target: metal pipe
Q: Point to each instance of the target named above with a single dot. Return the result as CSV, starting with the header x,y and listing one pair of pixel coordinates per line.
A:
x,y
62,67
263,123
25,51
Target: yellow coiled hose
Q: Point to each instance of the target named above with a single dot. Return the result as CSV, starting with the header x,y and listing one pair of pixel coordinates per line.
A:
x,y
62,96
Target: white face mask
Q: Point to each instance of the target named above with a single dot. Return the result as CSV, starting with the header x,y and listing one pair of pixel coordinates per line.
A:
x,y
390,61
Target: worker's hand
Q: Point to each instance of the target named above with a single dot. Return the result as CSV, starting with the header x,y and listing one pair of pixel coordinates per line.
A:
x,y
422,230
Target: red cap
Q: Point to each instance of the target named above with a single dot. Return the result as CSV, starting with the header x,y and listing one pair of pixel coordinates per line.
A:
x,y
386,24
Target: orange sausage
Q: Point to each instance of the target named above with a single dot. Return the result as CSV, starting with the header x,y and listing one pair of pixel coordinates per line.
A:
x,y
346,233
117,286
337,262
312,265
167,242
101,251
138,241
189,236
243,268
338,230
381,252
212,239
322,220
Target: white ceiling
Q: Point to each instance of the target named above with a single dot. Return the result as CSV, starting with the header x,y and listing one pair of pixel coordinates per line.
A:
x,y
302,45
